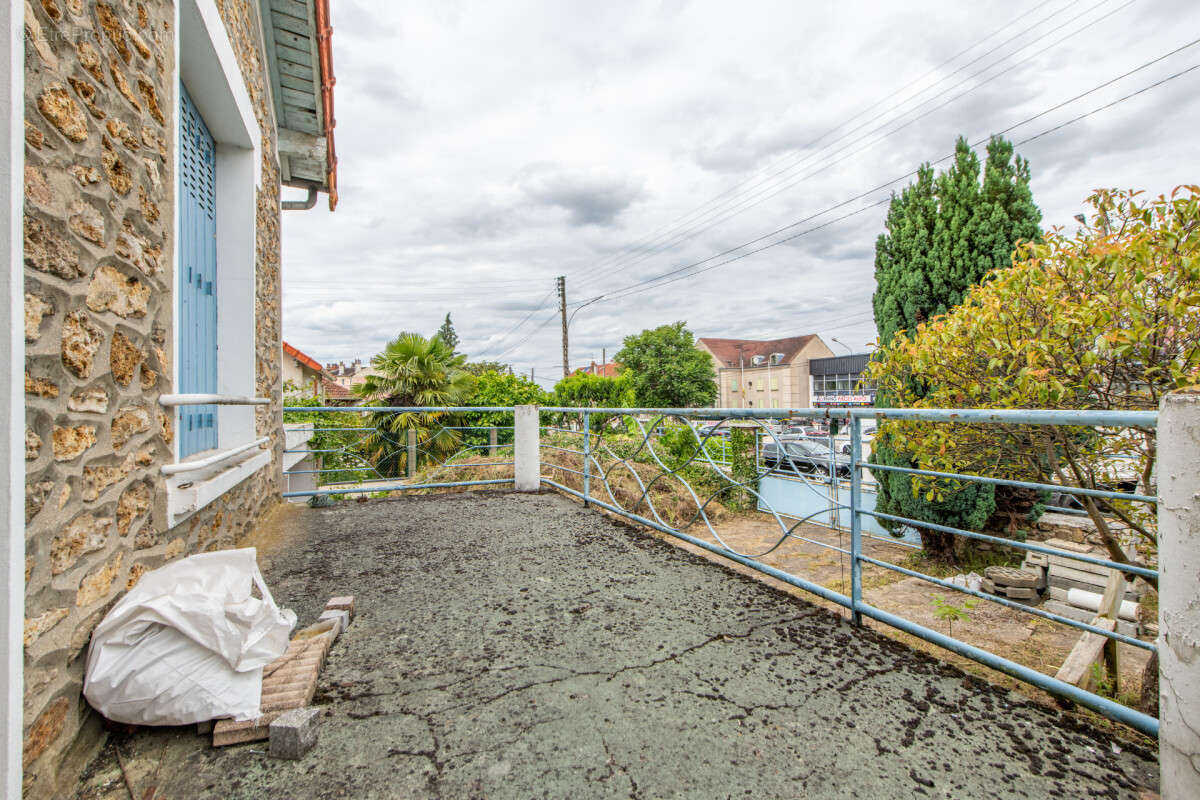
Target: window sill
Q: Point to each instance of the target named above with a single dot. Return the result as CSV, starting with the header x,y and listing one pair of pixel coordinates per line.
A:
x,y
187,493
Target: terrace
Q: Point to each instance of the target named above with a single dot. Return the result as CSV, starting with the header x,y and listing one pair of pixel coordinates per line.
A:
x,y
578,636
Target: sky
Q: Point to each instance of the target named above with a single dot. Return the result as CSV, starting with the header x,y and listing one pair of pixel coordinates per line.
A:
x,y
486,148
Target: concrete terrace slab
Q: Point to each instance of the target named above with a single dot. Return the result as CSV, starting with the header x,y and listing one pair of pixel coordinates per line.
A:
x,y
517,646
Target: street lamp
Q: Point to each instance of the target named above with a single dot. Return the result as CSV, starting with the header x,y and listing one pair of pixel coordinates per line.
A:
x,y
843,344
567,324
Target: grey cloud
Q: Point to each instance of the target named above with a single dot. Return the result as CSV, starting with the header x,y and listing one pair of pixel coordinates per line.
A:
x,y
634,116
589,197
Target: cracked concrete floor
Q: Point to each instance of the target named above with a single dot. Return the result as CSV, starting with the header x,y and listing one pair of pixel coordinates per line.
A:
x,y
518,646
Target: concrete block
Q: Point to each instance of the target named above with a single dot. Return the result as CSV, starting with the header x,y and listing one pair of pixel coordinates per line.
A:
x,y
342,618
342,603
1019,593
1035,560
204,728
1084,615
1059,582
293,733
1007,576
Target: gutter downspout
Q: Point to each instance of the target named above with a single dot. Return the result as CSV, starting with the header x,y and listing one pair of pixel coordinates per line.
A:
x,y
301,205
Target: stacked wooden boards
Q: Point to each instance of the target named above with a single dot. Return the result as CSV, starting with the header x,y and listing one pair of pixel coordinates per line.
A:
x,y
289,681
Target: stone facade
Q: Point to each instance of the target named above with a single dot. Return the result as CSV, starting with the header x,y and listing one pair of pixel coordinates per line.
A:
x,y
99,258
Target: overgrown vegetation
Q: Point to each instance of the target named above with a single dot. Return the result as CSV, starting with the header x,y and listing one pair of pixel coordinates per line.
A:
x,y
943,234
1107,319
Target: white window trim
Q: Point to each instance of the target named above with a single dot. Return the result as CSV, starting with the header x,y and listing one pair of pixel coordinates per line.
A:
x,y
206,64
12,469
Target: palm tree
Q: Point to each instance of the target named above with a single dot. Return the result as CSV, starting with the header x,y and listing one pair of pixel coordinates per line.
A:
x,y
414,371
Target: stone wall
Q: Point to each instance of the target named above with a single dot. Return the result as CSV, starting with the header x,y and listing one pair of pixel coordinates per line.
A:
x,y
99,261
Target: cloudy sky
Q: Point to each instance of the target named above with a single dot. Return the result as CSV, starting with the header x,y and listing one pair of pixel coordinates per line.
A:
x,y
485,148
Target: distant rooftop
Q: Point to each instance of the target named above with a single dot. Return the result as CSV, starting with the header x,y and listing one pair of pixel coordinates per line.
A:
x,y
731,352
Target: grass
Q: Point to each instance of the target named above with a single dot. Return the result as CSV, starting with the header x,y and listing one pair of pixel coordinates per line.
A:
x,y
977,561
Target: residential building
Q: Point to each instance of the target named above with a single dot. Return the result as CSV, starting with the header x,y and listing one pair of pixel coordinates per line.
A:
x,y
349,375
302,371
156,137
337,395
606,370
763,373
837,381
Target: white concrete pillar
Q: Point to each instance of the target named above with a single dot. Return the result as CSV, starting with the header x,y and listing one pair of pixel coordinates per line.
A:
x,y
12,352
527,454
1179,594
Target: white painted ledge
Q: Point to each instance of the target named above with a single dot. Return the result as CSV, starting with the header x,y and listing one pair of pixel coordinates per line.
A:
x,y
188,493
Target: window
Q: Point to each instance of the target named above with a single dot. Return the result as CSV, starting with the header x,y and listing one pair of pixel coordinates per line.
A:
x,y
218,156
774,384
733,386
197,300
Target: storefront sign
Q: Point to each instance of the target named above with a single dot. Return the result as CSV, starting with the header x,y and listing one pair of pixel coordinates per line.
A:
x,y
843,400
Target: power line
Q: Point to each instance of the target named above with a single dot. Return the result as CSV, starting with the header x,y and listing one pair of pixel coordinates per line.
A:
x,y
635,290
735,189
752,199
625,291
541,304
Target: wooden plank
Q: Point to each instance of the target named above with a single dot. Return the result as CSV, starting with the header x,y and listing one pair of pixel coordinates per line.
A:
x,y
292,8
292,54
303,121
289,39
1077,669
298,99
227,732
1089,578
1082,566
296,84
289,681
296,70
1110,608
291,23
1068,545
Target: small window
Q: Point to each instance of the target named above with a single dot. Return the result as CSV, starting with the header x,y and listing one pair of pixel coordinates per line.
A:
x,y
774,384
733,384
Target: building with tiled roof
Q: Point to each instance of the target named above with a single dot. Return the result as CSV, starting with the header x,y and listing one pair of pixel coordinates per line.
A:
x,y
606,370
764,373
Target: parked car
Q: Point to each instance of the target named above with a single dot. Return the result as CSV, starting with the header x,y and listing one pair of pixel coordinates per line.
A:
x,y
805,456
712,430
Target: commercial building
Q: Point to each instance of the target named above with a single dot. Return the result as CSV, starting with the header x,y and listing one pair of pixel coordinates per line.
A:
x,y
837,381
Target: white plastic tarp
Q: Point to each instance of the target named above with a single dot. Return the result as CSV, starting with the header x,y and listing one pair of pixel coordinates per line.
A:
x,y
188,643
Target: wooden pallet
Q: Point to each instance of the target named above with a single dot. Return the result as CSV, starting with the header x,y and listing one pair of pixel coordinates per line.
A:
x,y
289,681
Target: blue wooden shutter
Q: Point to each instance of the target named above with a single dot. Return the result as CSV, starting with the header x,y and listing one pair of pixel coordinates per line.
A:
x,y
197,345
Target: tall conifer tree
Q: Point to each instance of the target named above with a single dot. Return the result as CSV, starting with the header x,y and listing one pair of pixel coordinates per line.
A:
x,y
944,234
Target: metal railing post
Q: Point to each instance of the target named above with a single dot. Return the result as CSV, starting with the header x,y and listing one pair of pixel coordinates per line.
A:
x,y
492,440
1179,566
855,521
412,452
587,452
527,456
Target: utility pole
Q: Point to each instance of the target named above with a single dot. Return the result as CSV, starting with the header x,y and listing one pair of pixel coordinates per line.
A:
x,y
531,373
562,306
603,356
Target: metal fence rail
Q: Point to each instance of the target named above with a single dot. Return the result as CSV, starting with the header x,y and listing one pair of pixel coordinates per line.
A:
x,y
418,451
617,460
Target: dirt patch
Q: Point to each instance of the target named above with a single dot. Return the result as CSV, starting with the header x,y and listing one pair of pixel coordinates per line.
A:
x,y
520,646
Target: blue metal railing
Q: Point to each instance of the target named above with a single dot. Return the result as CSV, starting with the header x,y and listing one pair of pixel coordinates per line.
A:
x,y
625,444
